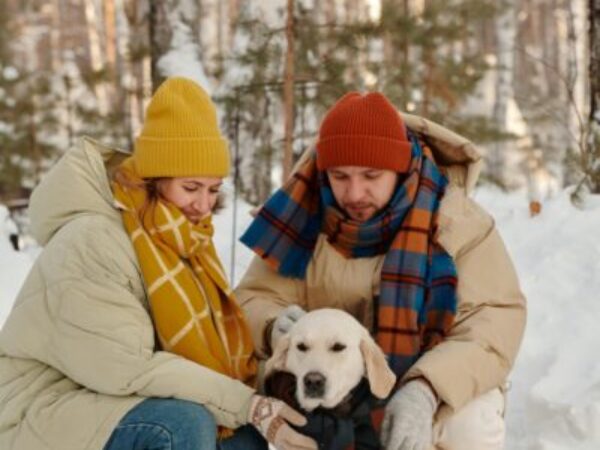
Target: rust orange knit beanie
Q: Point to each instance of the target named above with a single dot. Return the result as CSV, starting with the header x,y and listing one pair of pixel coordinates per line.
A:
x,y
363,130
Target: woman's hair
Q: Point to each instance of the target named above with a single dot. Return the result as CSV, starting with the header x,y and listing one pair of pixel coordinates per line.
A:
x,y
151,187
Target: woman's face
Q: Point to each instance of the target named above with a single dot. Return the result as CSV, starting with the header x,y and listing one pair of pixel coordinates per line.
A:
x,y
194,196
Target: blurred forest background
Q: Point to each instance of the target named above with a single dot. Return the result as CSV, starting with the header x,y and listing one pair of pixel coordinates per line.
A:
x,y
520,78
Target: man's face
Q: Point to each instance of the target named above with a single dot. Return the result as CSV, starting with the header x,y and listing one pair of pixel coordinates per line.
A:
x,y
361,191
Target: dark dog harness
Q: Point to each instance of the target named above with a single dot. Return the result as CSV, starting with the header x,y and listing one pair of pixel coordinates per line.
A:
x,y
352,425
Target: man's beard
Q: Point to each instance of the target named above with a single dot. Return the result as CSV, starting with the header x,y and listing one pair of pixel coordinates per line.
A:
x,y
361,212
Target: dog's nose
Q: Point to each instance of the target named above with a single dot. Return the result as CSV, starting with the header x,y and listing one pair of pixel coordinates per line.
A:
x,y
314,384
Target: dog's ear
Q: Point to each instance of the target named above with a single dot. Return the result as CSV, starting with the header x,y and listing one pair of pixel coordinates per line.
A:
x,y
277,361
380,376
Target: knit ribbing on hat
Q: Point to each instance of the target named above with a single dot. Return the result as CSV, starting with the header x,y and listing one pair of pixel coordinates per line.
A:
x,y
364,131
180,136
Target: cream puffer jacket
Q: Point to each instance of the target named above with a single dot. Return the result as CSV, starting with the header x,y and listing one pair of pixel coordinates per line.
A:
x,y
78,349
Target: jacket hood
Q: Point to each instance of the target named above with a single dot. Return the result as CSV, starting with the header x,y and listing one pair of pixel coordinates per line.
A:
x,y
77,185
450,150
456,154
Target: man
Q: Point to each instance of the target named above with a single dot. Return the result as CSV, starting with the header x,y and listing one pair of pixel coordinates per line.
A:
x,y
379,223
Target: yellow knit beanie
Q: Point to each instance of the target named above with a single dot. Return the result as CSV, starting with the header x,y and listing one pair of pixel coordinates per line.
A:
x,y
180,136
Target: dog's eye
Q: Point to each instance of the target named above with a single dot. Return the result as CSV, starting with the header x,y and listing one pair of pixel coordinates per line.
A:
x,y
337,347
302,347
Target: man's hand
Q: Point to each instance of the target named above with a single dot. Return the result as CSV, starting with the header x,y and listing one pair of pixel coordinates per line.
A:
x,y
284,322
408,420
271,417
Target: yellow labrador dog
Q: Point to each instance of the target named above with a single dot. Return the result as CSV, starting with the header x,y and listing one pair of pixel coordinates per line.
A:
x,y
329,352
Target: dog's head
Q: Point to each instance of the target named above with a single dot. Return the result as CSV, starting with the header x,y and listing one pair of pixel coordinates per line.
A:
x,y
329,352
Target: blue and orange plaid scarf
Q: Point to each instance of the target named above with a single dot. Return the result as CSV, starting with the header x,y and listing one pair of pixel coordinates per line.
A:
x,y
417,300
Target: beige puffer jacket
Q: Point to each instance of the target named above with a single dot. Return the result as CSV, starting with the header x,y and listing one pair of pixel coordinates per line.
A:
x,y
78,349
481,348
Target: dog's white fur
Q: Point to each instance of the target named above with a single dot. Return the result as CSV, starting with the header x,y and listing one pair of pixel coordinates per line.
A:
x,y
333,343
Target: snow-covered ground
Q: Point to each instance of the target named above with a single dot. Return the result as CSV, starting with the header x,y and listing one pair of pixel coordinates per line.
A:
x,y
555,398
554,402
14,266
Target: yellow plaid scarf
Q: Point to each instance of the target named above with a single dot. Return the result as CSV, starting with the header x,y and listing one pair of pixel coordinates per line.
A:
x,y
195,314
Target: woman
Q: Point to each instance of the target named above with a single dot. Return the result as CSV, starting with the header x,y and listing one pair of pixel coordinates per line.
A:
x,y
125,334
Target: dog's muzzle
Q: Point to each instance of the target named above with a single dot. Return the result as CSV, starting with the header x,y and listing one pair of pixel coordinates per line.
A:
x,y
314,385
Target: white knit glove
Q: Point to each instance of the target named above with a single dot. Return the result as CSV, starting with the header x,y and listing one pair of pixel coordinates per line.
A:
x,y
408,420
284,323
272,418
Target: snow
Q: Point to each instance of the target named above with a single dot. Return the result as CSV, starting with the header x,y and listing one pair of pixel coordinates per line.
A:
x,y
10,73
14,266
183,58
239,213
554,401
6,128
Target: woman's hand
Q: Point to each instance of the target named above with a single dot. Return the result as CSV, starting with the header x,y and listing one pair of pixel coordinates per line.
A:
x,y
272,417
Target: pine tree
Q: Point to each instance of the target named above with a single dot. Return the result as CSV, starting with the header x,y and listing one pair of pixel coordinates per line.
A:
x,y
48,92
426,62
432,61
174,34
26,112
250,95
594,117
11,138
584,157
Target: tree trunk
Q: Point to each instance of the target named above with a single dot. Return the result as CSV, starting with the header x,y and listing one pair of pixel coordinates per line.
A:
x,y
220,38
69,112
36,154
109,24
96,59
55,37
63,97
405,61
111,39
428,55
396,52
111,51
594,116
540,93
160,38
125,23
505,28
329,11
594,67
233,11
352,12
288,94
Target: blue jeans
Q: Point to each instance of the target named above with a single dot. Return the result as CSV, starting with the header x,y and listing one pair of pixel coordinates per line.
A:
x,y
171,424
